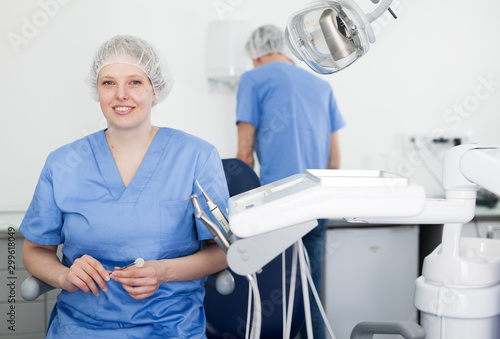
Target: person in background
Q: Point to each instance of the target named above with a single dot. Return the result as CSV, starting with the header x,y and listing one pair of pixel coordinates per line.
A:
x,y
121,194
290,118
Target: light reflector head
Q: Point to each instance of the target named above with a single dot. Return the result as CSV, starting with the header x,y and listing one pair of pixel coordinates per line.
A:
x,y
328,36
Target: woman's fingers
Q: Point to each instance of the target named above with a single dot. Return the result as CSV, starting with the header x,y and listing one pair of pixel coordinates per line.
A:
x,y
136,277
140,283
88,274
140,292
78,277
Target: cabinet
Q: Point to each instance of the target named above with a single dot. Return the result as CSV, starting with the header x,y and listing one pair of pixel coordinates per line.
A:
x,y
369,275
19,319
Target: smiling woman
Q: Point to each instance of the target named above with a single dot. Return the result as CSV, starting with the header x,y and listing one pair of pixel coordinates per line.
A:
x,y
126,199
126,96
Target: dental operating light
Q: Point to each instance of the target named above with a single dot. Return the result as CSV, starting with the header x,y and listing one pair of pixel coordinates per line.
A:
x,y
330,35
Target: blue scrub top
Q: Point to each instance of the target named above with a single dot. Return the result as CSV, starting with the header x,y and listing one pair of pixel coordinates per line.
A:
x,y
294,113
80,201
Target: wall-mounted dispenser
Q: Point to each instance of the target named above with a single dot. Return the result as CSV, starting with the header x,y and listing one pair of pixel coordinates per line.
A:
x,y
226,56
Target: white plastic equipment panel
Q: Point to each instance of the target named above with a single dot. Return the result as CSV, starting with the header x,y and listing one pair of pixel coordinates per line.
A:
x,y
323,194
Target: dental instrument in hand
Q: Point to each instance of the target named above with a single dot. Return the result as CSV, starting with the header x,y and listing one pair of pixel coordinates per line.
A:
x,y
139,262
216,212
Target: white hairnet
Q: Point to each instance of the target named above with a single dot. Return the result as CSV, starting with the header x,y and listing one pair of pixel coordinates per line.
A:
x,y
264,40
135,51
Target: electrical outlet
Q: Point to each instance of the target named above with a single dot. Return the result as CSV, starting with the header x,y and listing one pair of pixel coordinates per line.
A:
x,y
411,141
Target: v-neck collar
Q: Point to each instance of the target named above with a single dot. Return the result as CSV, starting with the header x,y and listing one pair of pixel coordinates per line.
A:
x,y
111,174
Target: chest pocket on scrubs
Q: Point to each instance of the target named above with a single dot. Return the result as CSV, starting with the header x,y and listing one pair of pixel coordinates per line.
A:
x,y
177,229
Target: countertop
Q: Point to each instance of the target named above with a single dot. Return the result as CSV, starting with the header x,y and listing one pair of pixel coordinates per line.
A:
x,y
10,219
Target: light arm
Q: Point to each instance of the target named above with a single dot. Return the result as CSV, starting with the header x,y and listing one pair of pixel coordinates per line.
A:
x,y
465,168
482,166
377,12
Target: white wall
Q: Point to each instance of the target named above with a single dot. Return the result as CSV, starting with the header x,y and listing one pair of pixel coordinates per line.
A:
x,y
435,58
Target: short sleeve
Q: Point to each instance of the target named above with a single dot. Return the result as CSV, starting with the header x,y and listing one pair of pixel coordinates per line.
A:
x,y
336,119
247,107
42,222
212,179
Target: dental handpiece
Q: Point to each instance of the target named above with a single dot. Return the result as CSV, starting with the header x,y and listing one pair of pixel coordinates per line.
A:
x,y
219,237
216,212
224,281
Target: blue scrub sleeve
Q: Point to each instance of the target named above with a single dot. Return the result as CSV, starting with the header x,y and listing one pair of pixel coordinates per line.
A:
x,y
247,108
42,222
212,179
337,121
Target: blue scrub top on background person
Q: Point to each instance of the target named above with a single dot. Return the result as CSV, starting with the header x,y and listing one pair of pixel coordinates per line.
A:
x,y
81,201
294,113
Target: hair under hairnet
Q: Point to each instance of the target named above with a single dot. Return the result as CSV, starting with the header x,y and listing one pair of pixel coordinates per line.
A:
x,y
135,51
264,40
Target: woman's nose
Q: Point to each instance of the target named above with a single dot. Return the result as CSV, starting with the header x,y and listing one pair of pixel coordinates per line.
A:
x,y
122,93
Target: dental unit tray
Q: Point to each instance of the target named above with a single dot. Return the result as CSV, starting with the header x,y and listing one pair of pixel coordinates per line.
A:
x,y
316,194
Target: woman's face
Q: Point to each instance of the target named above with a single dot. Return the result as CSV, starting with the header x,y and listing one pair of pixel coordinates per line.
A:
x,y
126,96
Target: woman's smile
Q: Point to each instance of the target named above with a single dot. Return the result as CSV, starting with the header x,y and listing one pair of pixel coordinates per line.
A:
x,y
123,110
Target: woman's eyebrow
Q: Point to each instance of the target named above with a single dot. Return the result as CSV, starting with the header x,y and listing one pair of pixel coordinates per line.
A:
x,y
137,76
108,76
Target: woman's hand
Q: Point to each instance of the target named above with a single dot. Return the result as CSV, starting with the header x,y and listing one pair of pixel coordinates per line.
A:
x,y
141,282
86,274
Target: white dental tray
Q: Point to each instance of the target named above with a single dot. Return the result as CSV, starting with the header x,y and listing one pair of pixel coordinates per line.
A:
x,y
323,194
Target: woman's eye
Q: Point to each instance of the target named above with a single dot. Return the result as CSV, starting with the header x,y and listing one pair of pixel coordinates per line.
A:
x,y
107,83
135,82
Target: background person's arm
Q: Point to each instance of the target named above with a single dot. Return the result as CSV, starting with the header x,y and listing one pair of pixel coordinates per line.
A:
x,y
246,140
334,159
